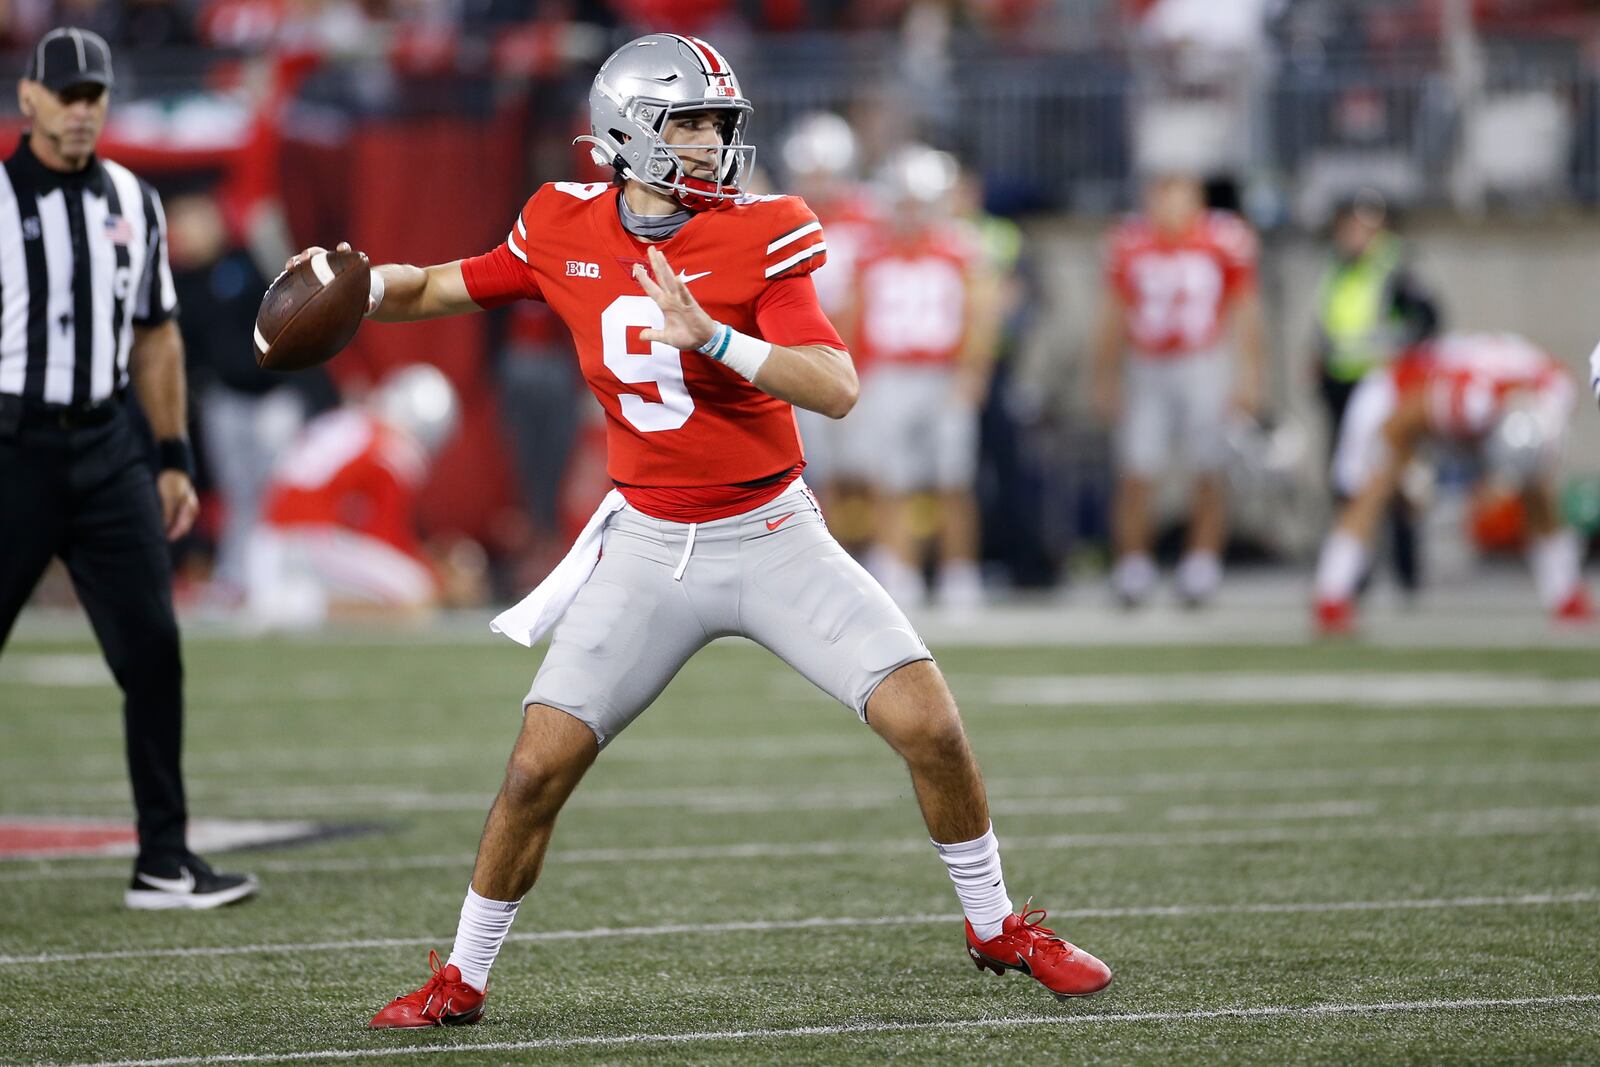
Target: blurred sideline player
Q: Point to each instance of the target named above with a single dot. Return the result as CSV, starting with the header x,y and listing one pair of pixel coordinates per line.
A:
x,y
697,326
338,532
924,322
820,156
1495,393
1177,279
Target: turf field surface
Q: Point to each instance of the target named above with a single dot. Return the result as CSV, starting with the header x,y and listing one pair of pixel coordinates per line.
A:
x,y
1288,853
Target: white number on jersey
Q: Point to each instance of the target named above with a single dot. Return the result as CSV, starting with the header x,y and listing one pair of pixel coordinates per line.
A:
x,y
636,361
327,446
914,306
583,190
1179,295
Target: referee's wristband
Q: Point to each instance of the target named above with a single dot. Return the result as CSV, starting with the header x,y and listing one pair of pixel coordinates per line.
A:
x,y
174,454
739,352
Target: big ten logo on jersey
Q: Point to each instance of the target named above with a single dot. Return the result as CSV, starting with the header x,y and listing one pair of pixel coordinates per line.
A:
x,y
577,268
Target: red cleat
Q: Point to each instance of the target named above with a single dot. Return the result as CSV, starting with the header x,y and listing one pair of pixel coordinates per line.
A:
x,y
1576,608
1335,618
445,1001
1023,945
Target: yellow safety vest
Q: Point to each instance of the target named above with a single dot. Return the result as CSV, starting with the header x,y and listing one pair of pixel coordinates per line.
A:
x,y
1353,312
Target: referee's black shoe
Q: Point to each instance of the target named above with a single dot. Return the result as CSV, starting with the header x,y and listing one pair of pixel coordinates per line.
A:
x,y
188,882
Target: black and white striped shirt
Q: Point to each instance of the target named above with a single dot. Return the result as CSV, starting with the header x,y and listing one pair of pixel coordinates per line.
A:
x,y
83,260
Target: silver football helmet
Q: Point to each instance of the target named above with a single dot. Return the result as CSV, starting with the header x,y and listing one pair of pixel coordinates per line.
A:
x,y
919,175
1524,443
420,401
820,143
646,82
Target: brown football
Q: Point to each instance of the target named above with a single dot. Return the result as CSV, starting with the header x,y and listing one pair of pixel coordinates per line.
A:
x,y
312,311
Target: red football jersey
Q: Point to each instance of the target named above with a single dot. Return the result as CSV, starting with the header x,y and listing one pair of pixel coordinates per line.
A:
x,y
1466,378
913,295
350,470
853,223
673,419
1177,291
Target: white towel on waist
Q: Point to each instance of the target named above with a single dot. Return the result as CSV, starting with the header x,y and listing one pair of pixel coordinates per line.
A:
x,y
532,616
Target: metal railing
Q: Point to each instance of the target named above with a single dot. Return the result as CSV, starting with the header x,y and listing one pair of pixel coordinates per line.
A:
x,y
1516,122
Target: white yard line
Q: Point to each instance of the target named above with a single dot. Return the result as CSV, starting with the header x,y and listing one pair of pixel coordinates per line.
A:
x,y
1492,822
761,799
1322,809
1262,1011
1526,900
1485,691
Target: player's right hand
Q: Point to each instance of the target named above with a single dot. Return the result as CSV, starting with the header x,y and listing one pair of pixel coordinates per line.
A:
x,y
306,253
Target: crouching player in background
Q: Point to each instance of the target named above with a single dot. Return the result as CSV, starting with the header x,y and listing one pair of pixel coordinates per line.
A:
x,y
338,532
1496,393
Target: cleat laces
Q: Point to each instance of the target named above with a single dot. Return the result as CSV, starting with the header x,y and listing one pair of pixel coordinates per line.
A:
x,y
434,986
1051,945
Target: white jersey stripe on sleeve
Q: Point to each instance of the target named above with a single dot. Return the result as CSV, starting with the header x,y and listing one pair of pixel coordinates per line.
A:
x,y
522,231
803,254
511,243
794,235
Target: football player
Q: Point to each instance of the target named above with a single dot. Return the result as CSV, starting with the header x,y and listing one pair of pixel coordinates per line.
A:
x,y
697,327
925,319
1497,394
820,156
338,531
1178,279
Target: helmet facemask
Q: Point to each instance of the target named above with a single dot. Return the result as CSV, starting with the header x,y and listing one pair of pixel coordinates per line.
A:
x,y
628,127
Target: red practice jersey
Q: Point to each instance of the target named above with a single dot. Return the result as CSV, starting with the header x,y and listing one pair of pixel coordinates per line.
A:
x,y
853,223
1178,290
673,419
352,471
1467,378
913,298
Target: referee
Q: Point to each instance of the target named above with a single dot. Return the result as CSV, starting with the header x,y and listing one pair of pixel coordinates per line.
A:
x,y
86,307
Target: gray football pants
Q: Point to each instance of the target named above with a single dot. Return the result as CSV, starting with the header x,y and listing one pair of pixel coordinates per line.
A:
x,y
663,590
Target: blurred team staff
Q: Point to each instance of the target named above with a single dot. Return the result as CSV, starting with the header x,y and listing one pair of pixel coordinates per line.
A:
x,y
88,306
1369,307
1178,279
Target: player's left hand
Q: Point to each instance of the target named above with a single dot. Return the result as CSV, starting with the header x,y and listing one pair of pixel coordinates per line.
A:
x,y
687,326
179,505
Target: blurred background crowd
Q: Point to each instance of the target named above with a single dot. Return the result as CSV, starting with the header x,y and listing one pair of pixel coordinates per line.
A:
x,y
1056,227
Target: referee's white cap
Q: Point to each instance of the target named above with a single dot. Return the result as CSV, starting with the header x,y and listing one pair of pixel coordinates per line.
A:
x,y
69,56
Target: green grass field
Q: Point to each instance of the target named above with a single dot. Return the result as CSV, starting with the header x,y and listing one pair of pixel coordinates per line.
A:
x,y
1318,854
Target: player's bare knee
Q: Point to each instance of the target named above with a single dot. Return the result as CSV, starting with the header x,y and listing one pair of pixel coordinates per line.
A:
x,y
551,754
914,711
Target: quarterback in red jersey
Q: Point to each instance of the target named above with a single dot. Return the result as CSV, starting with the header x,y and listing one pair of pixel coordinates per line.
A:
x,y
1176,279
1498,394
697,327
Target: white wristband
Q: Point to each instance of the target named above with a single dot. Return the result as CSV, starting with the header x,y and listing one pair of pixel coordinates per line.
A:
x,y
739,352
374,291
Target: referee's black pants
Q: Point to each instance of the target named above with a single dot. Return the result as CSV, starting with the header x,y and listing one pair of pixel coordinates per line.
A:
x,y
86,493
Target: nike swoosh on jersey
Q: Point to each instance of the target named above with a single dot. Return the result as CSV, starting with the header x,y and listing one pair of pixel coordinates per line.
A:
x,y
170,885
773,524
687,278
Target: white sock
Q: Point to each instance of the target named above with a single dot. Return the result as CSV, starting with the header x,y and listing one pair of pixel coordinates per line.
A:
x,y
1134,576
975,870
1556,562
482,930
1339,566
1199,574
